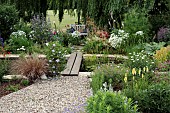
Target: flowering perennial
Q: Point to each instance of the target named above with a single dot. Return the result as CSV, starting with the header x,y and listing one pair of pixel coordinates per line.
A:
x,y
117,39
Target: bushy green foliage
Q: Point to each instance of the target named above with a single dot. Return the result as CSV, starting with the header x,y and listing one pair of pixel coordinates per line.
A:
x,y
92,62
56,57
136,20
8,18
110,102
149,48
67,39
4,66
110,74
155,99
95,45
24,82
23,26
41,30
140,60
13,88
136,23
18,42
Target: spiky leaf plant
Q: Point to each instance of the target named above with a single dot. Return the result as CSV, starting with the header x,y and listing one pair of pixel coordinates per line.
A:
x,y
32,67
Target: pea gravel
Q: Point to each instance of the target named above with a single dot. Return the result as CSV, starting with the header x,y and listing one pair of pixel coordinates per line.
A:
x,y
65,95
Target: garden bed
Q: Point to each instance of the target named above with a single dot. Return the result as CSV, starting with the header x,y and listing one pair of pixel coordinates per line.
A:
x,y
10,86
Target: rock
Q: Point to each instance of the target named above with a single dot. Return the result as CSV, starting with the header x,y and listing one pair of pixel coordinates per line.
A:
x,y
9,77
44,77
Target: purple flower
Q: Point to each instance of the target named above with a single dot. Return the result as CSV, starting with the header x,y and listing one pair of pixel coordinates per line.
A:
x,y
163,33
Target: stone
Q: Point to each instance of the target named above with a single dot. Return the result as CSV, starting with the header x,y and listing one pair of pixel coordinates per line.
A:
x,y
43,77
9,77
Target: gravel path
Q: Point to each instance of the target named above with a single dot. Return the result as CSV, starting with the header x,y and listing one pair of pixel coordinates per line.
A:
x,y
66,95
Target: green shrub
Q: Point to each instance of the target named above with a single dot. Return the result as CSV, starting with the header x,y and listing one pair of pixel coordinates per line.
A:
x,y
13,88
41,30
8,18
155,99
92,62
23,26
96,46
137,25
110,74
4,66
149,48
24,82
140,60
67,39
56,57
18,42
110,102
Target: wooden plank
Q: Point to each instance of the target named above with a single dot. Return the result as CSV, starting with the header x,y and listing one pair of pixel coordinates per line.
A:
x,y
70,64
77,64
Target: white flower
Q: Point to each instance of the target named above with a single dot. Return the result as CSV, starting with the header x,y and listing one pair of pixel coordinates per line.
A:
x,y
18,49
139,33
53,50
53,67
46,44
50,60
116,40
58,60
121,31
54,45
54,72
75,34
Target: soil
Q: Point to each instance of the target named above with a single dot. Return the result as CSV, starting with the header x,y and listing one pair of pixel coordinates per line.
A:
x,y
4,86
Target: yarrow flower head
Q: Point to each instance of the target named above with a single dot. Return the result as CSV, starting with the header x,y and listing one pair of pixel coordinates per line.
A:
x,y
117,39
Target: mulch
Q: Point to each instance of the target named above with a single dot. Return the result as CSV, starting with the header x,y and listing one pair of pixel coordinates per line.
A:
x,y
5,84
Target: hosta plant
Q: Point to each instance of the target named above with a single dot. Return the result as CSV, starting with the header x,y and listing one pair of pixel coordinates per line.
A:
x,y
32,68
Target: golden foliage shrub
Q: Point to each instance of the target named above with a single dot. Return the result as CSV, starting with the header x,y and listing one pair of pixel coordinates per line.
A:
x,y
163,54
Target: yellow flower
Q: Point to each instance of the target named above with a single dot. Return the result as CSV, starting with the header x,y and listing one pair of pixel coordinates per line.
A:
x,y
125,79
139,72
134,71
147,69
142,75
144,69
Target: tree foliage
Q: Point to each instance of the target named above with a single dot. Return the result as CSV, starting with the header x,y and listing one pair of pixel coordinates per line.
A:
x,y
28,8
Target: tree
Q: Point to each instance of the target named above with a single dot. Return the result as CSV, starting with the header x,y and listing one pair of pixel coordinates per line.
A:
x,y
28,8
